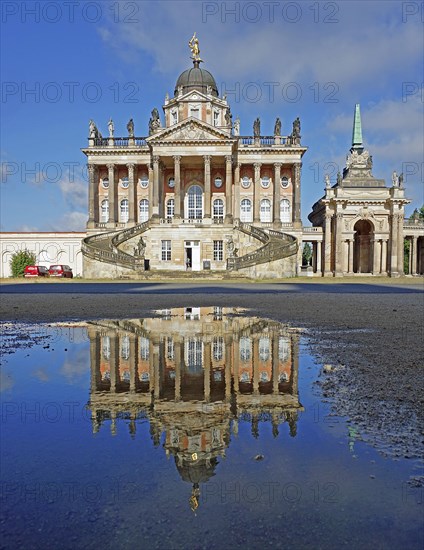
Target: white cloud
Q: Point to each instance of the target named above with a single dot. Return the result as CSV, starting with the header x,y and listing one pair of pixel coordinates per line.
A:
x,y
74,192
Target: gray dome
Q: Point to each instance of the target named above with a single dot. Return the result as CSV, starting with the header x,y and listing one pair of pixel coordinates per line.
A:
x,y
196,79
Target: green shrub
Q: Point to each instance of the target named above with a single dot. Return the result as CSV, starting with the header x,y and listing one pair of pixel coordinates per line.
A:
x,y
20,260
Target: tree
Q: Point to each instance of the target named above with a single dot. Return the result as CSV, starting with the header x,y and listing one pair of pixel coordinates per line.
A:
x,y
306,254
20,260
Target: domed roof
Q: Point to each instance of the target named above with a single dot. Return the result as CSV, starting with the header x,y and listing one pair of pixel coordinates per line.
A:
x,y
196,79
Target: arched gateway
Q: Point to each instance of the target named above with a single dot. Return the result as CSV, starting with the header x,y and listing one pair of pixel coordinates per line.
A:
x,y
363,247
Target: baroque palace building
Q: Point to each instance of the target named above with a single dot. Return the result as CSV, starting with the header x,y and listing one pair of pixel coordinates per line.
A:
x,y
194,195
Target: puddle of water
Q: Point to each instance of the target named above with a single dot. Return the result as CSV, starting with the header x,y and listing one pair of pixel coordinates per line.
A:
x,y
199,427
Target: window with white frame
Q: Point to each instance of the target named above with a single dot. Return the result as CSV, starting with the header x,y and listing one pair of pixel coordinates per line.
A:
x,y
106,347
218,210
285,213
265,182
144,181
144,348
105,182
283,349
174,116
124,211
195,111
264,348
170,208
218,348
284,182
218,251
245,346
125,347
245,182
193,353
216,118
246,210
265,210
194,203
166,251
104,216
170,349
125,182
143,210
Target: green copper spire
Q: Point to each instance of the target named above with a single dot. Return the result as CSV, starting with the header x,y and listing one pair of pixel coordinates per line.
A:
x,y
357,129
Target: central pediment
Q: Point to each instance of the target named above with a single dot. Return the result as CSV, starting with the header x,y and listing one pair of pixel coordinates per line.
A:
x,y
190,129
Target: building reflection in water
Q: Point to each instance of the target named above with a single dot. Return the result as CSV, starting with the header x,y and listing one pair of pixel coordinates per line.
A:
x,y
194,373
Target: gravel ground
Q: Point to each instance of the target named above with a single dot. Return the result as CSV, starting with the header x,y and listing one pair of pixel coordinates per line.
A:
x,y
370,332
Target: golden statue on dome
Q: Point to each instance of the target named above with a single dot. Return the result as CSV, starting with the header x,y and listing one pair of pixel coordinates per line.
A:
x,y
194,47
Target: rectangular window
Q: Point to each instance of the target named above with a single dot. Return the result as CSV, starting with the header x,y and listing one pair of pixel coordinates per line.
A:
x,y
218,251
166,251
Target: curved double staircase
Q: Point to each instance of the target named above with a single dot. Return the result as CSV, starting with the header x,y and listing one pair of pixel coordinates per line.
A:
x,y
276,245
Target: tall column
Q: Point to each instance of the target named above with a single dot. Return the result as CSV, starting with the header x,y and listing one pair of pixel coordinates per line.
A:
x,y
178,356
255,365
111,193
257,193
376,267
92,207
228,189
156,371
383,270
207,176
413,253
400,244
236,362
161,193
133,362
95,361
155,190
150,172
177,188
295,364
319,257
207,372
114,361
350,268
338,269
227,368
276,199
327,245
132,195
297,220
275,363
236,210
394,245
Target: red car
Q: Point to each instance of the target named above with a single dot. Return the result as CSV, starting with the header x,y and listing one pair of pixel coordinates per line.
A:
x,y
61,271
36,271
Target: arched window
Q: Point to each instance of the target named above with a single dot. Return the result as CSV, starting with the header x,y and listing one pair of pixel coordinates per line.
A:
x,y
218,210
265,212
170,208
105,182
125,182
143,210
264,349
106,347
104,211
285,214
125,347
124,211
283,349
144,181
218,348
194,203
245,182
265,181
245,346
144,349
246,210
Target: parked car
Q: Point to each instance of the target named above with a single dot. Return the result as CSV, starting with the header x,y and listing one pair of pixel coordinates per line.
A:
x,y
61,271
36,271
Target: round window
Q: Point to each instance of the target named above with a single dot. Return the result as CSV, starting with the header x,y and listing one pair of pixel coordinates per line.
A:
x,y
245,182
105,183
265,181
171,182
125,182
218,182
144,181
284,181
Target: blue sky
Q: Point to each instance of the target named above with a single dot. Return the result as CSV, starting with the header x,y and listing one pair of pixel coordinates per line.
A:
x,y
66,62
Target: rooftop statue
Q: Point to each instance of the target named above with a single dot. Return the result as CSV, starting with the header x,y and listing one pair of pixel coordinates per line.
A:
x,y
277,127
154,122
257,128
237,127
111,127
194,47
296,128
130,128
228,117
